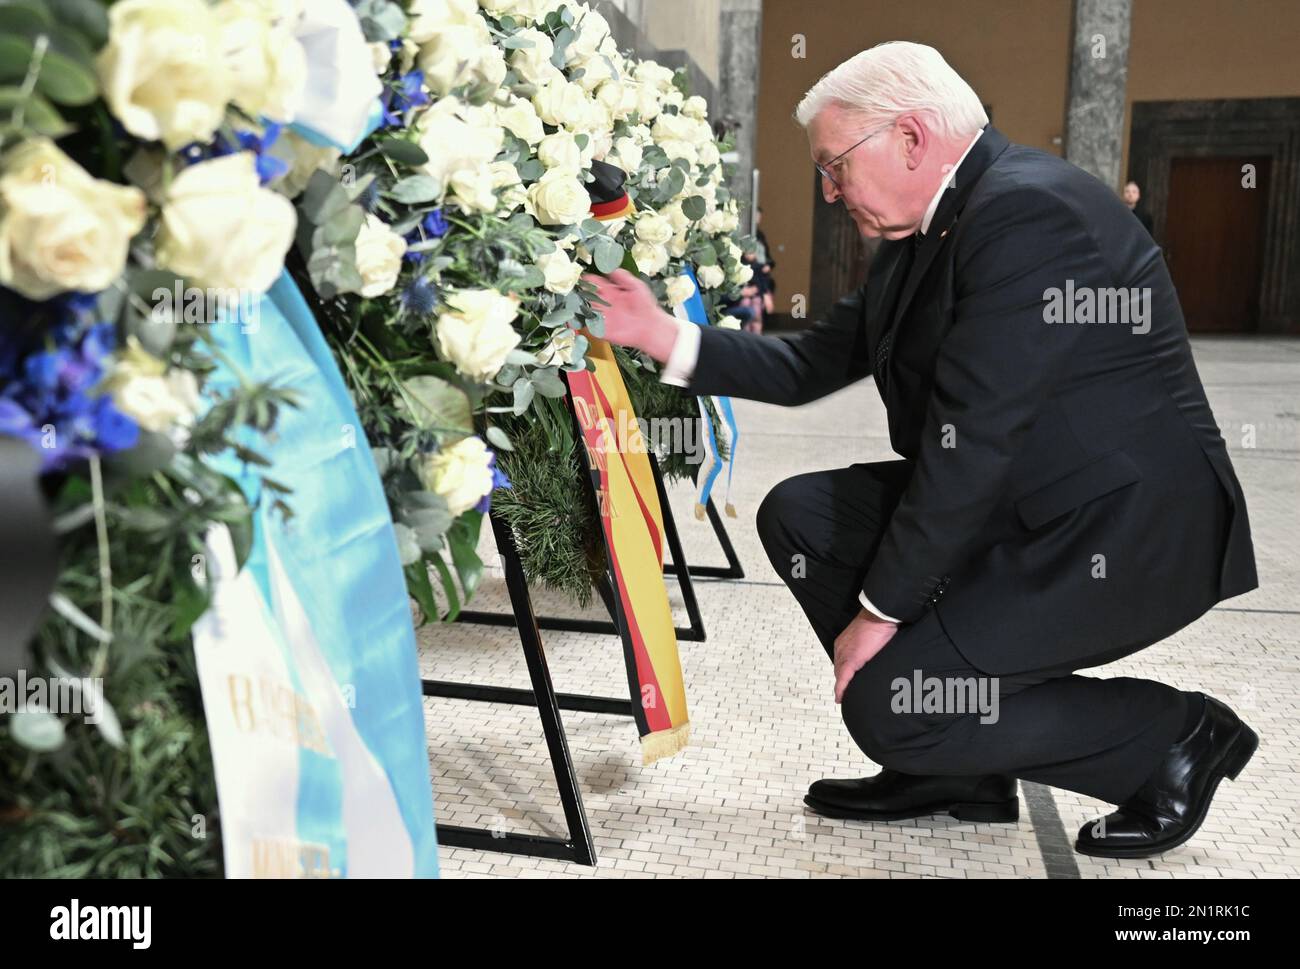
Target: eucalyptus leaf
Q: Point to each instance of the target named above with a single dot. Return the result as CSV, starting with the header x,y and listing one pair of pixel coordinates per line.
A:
x,y
435,404
36,729
499,439
416,189
406,152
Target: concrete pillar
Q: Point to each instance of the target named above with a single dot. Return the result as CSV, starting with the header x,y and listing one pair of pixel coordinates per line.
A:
x,y
740,44
1094,132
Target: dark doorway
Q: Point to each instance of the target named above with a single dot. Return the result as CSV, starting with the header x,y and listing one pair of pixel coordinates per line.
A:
x,y
1214,240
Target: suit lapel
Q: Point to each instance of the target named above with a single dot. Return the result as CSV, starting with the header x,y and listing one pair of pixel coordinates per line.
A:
x,y
985,151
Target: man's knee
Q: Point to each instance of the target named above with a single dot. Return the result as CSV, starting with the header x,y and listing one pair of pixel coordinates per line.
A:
x,y
890,734
778,512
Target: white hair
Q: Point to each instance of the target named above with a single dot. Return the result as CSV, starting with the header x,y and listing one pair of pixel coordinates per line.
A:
x,y
894,79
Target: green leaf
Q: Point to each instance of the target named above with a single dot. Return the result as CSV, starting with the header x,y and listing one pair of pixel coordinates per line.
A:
x,y
37,730
15,57
65,80
88,17
323,198
343,228
546,381
562,40
38,114
417,584
437,405
694,208
517,43
607,254
416,189
463,539
449,587
499,439
406,152
524,392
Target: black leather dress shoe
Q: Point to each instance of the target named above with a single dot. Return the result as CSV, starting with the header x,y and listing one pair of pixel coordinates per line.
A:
x,y
1173,802
891,796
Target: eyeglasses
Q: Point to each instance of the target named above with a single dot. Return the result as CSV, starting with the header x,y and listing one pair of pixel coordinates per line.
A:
x,y
824,170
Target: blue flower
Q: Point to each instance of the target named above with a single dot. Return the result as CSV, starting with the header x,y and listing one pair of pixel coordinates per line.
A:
x,y
499,480
419,298
49,379
409,93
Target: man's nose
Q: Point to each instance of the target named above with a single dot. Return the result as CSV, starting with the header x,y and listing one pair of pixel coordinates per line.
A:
x,y
830,191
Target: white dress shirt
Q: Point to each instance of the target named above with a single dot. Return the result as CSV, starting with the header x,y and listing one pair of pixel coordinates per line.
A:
x,y
686,347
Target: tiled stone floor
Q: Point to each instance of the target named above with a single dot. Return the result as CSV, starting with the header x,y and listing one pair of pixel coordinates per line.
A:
x,y
764,724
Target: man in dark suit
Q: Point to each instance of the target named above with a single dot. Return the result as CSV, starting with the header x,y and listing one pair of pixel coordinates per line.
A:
x,y
1064,498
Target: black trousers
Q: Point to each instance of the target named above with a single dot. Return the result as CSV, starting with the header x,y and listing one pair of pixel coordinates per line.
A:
x,y
918,706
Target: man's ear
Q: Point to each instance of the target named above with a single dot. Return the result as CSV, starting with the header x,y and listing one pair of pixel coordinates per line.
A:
x,y
916,140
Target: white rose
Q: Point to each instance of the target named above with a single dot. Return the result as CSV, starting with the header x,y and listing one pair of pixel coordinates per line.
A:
x,y
730,222
680,149
61,229
473,190
267,62
650,259
628,154
729,322
647,102
641,135
382,56
679,290
303,158
476,333
161,71
457,47
560,150
595,72
558,351
460,473
520,118
559,102
711,277
677,248
654,229
561,272
519,9
673,127
654,75
453,141
712,222
709,154
610,94
592,30
533,64
379,256
695,107
144,390
743,274
673,99
509,187
222,230
560,198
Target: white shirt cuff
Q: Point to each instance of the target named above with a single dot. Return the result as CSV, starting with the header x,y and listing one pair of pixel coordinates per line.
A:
x,y
866,603
686,351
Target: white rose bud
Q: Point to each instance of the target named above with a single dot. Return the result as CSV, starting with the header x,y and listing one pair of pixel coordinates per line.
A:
x,y
509,187
221,229
711,277
379,256
475,333
743,274
61,229
144,390
473,190
695,107
560,103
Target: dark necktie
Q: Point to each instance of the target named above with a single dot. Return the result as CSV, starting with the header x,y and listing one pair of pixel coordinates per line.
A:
x,y
897,282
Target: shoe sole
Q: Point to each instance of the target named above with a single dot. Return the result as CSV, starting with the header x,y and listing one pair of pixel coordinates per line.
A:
x,y
995,812
1234,761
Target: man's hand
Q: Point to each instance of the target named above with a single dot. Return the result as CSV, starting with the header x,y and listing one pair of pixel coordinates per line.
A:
x,y
634,317
862,639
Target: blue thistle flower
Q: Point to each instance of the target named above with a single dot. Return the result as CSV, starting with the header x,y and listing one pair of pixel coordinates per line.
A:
x,y
419,298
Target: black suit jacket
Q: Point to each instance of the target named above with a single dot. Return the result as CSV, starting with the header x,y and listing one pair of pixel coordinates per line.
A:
x,y
1071,499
